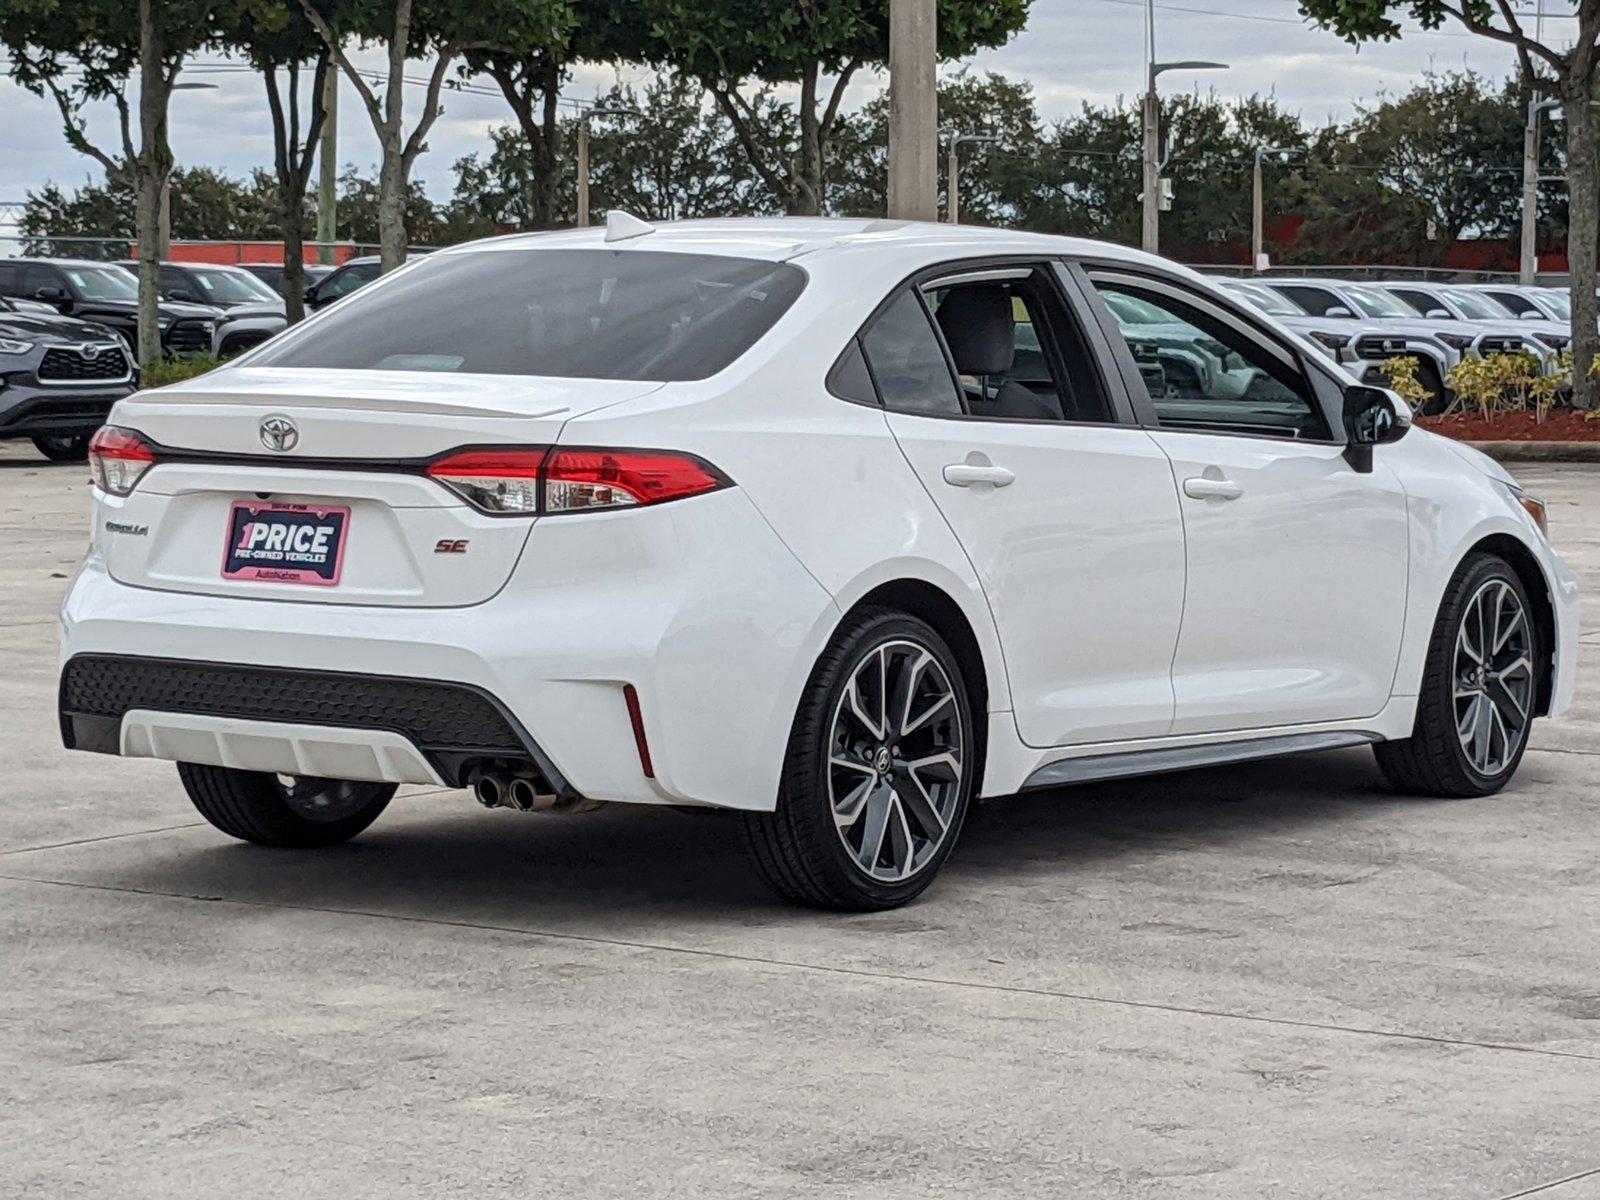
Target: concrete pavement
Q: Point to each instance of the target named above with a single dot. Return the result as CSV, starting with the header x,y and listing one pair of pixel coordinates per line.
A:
x,y
1274,980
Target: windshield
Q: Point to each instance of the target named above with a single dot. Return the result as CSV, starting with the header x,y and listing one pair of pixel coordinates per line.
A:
x,y
1375,303
1558,303
1479,307
103,283
1267,300
569,314
231,287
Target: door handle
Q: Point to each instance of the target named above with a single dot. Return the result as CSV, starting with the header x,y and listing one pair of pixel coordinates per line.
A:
x,y
967,474
1201,488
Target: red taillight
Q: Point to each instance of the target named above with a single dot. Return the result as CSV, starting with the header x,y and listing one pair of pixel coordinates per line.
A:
x,y
534,479
497,481
118,459
584,480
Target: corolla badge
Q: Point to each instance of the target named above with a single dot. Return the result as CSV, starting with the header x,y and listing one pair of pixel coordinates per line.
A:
x,y
279,433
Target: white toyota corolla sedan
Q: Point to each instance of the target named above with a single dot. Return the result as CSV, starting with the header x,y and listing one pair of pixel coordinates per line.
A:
x,y
837,524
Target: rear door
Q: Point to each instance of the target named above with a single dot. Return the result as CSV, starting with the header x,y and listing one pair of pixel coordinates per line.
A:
x,y
1067,513
1297,563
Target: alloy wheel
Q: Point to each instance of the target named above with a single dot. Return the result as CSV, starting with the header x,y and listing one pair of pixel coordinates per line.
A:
x,y
895,760
1493,677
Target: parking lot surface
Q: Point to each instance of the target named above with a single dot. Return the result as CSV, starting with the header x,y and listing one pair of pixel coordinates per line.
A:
x,y
1273,980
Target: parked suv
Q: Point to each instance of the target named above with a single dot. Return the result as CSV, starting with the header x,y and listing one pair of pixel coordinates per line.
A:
x,y
104,293
251,311
833,525
271,274
58,378
1502,328
350,277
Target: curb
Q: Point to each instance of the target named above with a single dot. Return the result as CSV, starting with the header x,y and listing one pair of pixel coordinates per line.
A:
x,y
1551,452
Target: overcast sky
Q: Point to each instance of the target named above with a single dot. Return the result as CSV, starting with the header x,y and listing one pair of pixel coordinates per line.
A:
x,y
1072,51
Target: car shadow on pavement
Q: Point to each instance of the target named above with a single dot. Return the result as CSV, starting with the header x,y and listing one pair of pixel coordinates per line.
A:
x,y
439,856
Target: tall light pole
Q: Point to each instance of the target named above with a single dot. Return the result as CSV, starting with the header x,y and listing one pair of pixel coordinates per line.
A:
x,y
1151,240
328,167
583,153
953,188
1529,267
1258,204
164,222
914,110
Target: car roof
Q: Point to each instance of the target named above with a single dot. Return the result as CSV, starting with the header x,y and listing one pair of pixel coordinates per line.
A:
x,y
783,239
64,262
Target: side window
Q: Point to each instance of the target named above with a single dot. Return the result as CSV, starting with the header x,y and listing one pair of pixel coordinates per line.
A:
x,y
1420,301
38,275
10,279
907,362
1314,300
849,379
1205,372
171,278
1520,305
1017,350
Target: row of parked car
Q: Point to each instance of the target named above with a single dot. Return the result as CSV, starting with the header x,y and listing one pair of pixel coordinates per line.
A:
x,y
1364,324
67,327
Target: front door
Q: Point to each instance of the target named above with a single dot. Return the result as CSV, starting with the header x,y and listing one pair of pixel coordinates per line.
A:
x,y
1297,563
1069,518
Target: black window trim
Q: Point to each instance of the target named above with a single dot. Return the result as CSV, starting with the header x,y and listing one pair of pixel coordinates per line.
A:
x,y
1048,265
1238,314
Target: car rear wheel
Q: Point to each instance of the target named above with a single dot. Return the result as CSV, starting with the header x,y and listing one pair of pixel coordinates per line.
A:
x,y
63,447
879,771
277,810
1479,689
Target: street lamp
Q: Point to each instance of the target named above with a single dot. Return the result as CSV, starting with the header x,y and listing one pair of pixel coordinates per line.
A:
x,y
583,153
1258,203
164,222
1152,145
955,169
1529,266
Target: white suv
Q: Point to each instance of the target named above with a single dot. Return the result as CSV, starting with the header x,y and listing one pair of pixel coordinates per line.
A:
x,y
837,524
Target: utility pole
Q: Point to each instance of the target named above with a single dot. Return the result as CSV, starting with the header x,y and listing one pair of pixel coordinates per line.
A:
x,y
1151,240
1258,218
164,217
328,168
583,154
953,187
913,110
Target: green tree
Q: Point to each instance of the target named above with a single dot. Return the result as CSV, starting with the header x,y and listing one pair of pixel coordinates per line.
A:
x,y
279,41
735,48
437,30
1409,176
86,51
1565,71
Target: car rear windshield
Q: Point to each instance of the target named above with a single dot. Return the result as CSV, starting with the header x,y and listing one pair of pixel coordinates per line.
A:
x,y
572,314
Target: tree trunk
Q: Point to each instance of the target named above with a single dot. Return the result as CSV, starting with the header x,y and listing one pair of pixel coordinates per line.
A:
x,y
392,205
294,254
151,168
548,149
1583,232
807,194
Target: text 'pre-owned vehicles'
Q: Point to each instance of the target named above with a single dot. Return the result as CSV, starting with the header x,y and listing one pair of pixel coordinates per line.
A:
x,y
59,378
107,295
834,524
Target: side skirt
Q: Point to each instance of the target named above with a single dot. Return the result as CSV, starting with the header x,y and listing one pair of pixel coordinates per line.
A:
x,y
1094,767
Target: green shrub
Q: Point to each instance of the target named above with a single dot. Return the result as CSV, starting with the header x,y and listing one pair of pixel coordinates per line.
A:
x,y
174,370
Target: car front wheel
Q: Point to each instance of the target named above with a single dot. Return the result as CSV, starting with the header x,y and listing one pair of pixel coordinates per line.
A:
x,y
879,771
1479,689
277,810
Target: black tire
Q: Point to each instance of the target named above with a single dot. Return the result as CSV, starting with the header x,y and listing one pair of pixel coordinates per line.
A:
x,y
1429,377
300,814
63,447
1433,761
799,849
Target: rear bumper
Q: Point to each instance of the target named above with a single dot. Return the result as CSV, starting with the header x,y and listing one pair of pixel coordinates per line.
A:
x,y
696,604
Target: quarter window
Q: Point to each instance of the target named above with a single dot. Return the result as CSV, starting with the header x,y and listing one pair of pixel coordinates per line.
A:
x,y
907,361
1205,372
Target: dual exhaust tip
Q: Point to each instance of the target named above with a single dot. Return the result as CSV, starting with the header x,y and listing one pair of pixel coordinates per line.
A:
x,y
504,789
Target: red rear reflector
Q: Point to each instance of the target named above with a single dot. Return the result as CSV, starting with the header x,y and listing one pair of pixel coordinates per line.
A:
x,y
637,719
583,479
118,459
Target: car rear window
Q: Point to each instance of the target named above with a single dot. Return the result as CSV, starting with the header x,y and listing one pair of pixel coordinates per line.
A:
x,y
572,314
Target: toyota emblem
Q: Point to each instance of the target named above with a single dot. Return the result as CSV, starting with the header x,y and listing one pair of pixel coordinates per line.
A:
x,y
89,351
279,433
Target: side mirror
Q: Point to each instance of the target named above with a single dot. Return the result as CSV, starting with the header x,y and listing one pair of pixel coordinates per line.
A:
x,y
309,295
1533,314
1338,310
50,295
1372,417
183,295
1439,314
